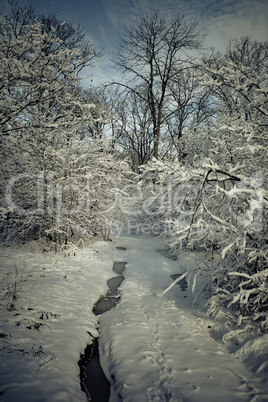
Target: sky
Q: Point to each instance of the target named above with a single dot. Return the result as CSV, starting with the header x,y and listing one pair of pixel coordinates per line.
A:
x,y
219,20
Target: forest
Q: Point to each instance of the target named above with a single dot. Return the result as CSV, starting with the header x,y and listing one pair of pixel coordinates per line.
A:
x,y
176,146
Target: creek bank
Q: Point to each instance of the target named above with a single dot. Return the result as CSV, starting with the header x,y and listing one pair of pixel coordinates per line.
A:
x,y
167,253
93,380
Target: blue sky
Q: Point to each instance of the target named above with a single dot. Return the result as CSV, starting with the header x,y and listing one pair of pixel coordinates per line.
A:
x,y
220,20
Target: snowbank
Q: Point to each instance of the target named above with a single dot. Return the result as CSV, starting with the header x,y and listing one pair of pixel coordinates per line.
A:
x,y
44,334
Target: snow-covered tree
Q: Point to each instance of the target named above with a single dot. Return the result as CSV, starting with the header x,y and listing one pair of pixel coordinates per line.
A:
x,y
71,36
55,183
238,78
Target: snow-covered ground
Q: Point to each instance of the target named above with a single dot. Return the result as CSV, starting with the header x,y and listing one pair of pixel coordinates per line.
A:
x,y
42,338
153,346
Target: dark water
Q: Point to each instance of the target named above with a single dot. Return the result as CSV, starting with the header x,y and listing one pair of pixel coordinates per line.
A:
x,y
105,303
93,380
119,267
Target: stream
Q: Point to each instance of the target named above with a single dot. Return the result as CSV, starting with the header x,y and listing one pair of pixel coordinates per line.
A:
x,y
93,381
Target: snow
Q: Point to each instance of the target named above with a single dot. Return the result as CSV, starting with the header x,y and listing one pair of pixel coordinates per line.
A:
x,y
42,339
159,348
153,346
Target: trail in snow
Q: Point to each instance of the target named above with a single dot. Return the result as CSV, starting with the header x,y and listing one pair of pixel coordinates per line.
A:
x,y
157,348
152,347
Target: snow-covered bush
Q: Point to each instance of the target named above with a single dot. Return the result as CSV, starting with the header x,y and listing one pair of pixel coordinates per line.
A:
x,y
56,182
216,201
221,212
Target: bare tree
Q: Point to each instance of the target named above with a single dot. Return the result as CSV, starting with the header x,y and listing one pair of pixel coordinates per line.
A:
x,y
152,55
132,128
192,102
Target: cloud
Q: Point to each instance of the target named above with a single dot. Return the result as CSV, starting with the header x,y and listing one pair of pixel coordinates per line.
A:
x,y
116,11
219,19
237,19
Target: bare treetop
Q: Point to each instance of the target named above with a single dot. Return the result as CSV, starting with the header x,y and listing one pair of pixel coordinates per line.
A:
x,y
153,54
